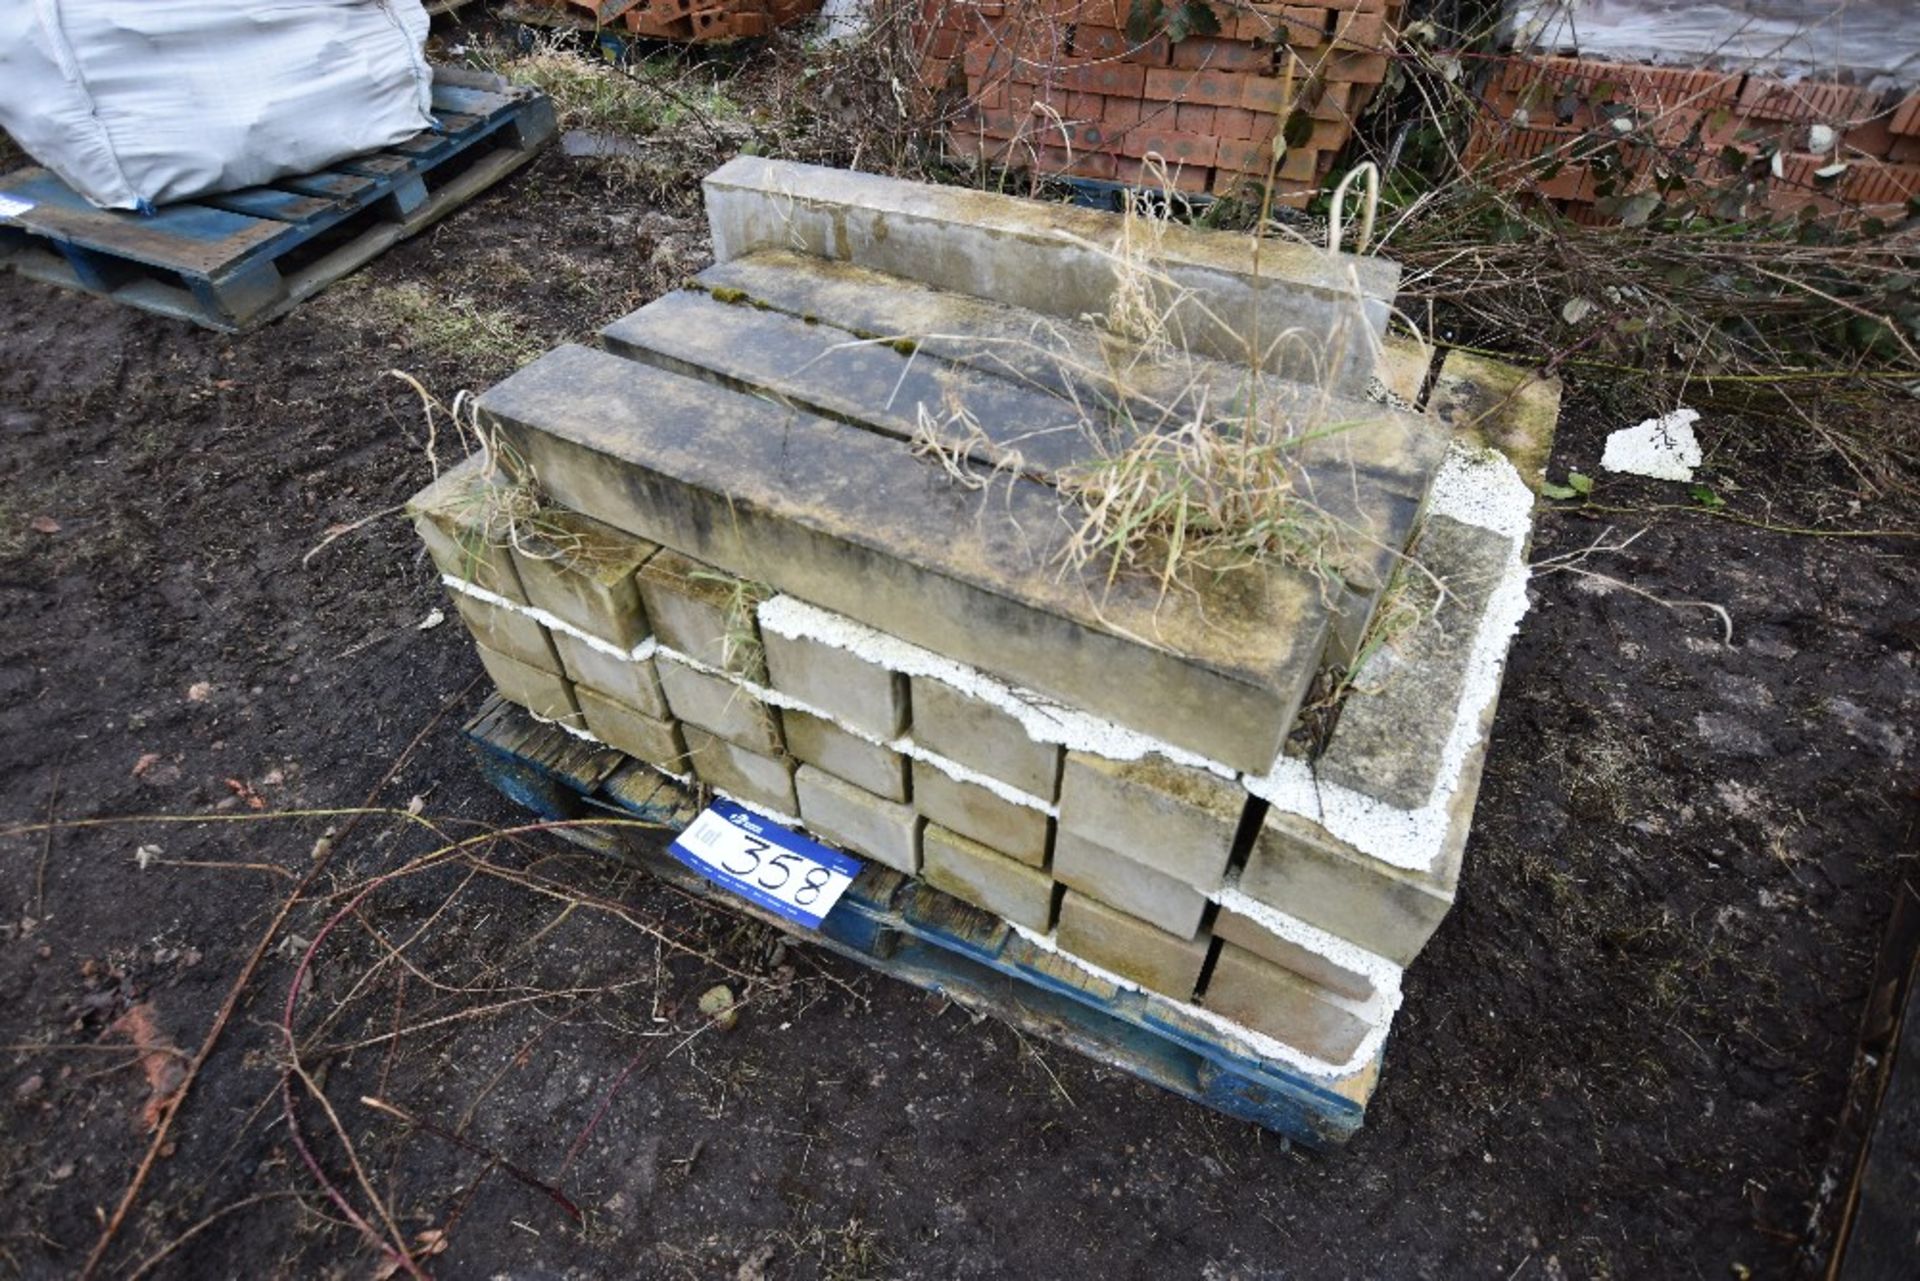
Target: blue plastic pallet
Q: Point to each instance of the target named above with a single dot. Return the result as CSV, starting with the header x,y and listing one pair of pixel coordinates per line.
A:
x,y
1113,197
233,261
906,928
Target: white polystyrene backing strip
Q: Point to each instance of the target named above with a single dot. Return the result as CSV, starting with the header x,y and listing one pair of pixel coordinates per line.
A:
x,y
1474,487
638,654
1384,974
1377,1012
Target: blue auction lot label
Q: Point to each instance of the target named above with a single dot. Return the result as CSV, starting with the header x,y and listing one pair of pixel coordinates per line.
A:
x,y
765,863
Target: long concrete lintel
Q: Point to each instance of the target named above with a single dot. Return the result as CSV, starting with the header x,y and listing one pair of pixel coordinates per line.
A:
x,y
1060,261
854,523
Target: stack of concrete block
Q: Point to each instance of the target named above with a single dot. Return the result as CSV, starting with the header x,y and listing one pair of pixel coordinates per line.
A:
x,y
748,567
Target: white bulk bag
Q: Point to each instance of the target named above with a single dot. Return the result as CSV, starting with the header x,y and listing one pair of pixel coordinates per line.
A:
x,y
138,102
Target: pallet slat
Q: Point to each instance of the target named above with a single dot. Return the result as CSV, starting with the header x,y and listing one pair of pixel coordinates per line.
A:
x,y
281,206
189,238
233,261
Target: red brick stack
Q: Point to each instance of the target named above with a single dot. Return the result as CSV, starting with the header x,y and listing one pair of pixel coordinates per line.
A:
x,y
1545,109
712,21
1057,86
685,21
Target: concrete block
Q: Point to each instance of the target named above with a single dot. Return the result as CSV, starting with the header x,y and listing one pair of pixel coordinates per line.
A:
x,y
582,571
849,688
1393,724
1018,831
1174,818
852,522
1047,258
984,738
1163,901
719,706
987,878
885,831
1245,932
868,766
1279,1003
508,632
1404,362
540,692
1129,947
1298,867
640,736
457,518
763,778
1506,407
637,684
705,614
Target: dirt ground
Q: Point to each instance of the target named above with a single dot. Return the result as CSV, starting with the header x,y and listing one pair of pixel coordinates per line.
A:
x,y
1625,1054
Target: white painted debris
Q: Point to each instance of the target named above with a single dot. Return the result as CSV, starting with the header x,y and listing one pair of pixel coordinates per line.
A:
x,y
1663,448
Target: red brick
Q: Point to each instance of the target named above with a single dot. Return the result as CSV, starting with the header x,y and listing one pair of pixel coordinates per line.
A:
x,y
1211,88
1111,43
1879,185
936,72
1122,113
1765,99
1077,164
1136,173
1870,138
1089,136
1189,118
1265,93
1358,30
1196,53
1298,165
941,43
1234,122
1190,149
1906,117
1115,79
1304,28
988,95
1335,103
1356,68
1252,27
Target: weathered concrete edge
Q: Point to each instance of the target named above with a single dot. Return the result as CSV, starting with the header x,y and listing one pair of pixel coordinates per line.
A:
x,y
1475,487
1376,1012
795,183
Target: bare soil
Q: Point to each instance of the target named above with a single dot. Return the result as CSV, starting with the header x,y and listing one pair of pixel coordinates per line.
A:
x,y
1626,1053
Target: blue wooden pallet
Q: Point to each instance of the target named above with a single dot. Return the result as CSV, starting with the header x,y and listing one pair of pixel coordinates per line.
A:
x,y
907,929
233,261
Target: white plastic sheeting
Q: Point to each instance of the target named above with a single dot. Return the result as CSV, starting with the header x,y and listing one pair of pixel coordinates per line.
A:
x,y
1872,43
136,103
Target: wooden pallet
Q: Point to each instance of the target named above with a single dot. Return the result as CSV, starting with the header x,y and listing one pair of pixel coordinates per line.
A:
x,y
905,928
234,261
